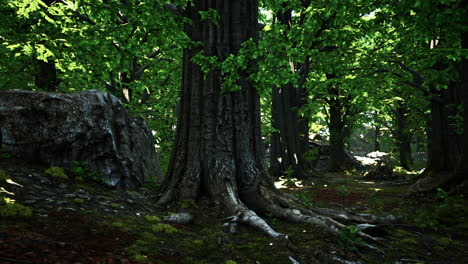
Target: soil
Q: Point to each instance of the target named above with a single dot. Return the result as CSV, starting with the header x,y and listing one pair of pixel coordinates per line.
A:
x,y
76,221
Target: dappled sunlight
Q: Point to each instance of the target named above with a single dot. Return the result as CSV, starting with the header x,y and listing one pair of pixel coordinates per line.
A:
x,y
283,183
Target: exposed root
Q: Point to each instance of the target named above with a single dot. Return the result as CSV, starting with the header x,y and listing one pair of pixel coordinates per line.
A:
x,y
251,218
286,207
293,260
245,215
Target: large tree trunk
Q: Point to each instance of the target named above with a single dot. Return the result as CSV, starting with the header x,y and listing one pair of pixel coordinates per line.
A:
x,y
46,76
444,148
218,152
290,144
444,143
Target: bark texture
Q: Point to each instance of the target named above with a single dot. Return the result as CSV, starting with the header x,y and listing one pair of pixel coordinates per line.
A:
x,y
46,77
444,141
290,144
92,126
218,143
461,172
403,137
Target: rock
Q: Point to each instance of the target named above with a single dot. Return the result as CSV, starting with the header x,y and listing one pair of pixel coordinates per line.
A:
x,y
324,152
179,218
29,202
47,193
71,209
70,195
91,126
381,171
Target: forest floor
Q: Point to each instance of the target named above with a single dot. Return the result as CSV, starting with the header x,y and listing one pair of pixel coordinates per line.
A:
x,y
78,221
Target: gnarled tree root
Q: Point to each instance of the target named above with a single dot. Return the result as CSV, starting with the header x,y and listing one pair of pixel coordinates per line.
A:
x,y
288,207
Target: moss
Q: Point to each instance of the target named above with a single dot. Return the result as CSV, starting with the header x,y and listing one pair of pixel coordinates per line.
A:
x,y
439,248
143,246
152,218
56,172
185,204
4,154
445,241
401,233
11,209
409,242
114,205
165,228
230,262
140,258
78,200
118,224
4,175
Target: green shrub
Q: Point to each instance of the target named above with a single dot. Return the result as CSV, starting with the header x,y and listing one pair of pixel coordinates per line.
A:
x,y
81,170
349,238
56,172
343,191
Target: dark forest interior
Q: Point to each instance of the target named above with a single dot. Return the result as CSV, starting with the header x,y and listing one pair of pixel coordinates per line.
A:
x,y
232,132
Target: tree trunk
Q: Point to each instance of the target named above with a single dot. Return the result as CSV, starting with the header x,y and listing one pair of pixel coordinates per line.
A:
x,y
336,128
377,138
218,148
218,152
444,142
403,137
461,172
290,144
337,148
46,77
444,147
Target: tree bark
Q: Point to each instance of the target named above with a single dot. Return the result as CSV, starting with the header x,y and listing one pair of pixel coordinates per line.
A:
x,y
336,126
290,144
444,142
218,147
377,138
461,172
403,137
46,76
337,147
